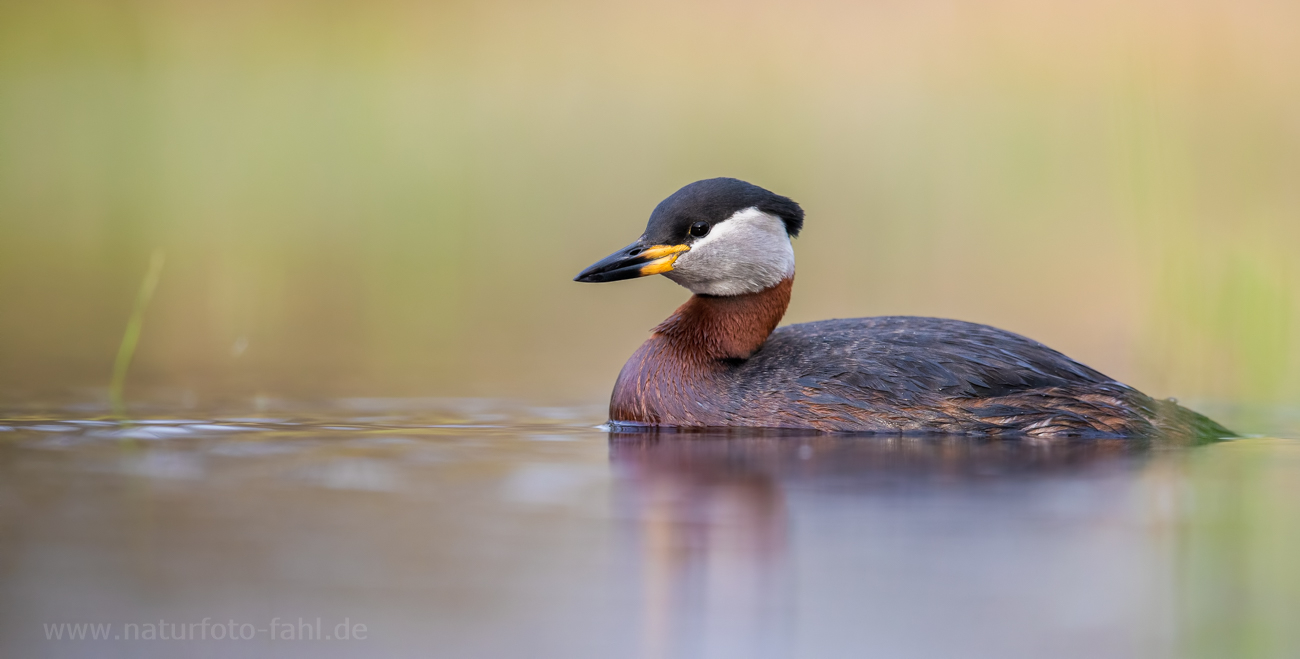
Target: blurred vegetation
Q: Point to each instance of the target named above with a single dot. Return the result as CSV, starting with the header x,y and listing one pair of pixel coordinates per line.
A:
x,y
1238,585
389,198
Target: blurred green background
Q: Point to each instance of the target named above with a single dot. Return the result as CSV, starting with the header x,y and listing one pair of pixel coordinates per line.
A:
x,y
390,198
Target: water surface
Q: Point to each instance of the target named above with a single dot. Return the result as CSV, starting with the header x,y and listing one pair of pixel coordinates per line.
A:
x,y
492,530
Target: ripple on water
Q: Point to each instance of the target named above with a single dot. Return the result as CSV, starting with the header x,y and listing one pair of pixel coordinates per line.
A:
x,y
50,427
148,432
164,465
213,427
383,440
543,437
254,448
362,474
59,442
462,426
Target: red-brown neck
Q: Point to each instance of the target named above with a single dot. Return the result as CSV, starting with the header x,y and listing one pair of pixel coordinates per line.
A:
x,y
726,327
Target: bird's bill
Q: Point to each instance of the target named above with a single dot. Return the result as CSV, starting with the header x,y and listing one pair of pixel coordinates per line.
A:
x,y
636,260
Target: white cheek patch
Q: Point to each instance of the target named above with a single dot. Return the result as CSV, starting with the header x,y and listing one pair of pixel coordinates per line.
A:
x,y
747,253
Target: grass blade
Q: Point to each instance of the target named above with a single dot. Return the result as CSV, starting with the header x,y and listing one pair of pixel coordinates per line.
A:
x,y
131,337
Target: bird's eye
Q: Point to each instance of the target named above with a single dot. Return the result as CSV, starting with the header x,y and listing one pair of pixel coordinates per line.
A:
x,y
700,229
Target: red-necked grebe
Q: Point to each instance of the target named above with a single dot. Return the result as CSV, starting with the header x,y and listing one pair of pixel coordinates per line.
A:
x,y
720,360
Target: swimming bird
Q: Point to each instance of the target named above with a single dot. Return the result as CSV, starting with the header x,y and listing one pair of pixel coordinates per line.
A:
x,y
721,361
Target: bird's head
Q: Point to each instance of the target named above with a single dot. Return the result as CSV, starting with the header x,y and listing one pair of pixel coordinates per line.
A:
x,y
719,236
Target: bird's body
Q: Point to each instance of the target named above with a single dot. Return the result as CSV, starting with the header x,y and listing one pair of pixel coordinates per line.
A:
x,y
887,374
720,360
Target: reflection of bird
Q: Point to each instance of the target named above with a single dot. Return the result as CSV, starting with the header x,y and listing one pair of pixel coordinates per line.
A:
x,y
711,535
718,362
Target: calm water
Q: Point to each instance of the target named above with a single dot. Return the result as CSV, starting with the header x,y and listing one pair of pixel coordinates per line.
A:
x,y
489,530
